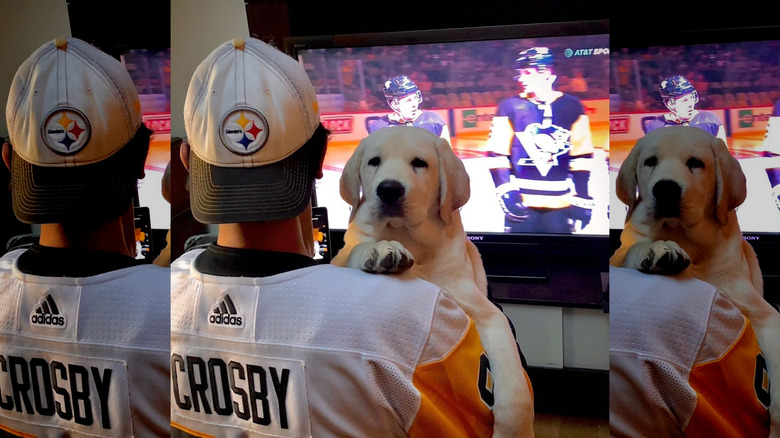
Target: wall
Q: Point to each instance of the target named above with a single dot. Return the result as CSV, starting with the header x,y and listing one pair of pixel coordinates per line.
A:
x,y
197,28
26,25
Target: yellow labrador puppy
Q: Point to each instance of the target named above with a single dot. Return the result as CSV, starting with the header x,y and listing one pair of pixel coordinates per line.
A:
x,y
682,188
407,219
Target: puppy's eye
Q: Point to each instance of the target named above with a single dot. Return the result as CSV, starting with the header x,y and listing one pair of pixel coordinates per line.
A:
x,y
419,163
374,161
695,163
651,162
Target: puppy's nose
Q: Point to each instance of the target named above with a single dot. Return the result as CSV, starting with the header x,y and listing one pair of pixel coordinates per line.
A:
x,y
667,190
390,191
667,195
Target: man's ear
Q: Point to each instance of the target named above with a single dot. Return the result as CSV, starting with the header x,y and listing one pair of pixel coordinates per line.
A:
x,y
393,105
184,155
7,149
323,151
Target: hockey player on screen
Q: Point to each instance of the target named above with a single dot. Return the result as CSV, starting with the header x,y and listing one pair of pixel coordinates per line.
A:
x,y
404,98
681,98
541,139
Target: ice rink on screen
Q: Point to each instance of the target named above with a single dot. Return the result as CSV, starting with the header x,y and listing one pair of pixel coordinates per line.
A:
x,y
482,213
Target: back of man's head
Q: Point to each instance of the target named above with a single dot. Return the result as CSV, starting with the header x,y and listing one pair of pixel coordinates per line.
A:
x,y
253,126
74,121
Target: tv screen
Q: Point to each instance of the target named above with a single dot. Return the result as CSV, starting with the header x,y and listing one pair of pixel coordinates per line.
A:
x,y
458,79
736,77
734,91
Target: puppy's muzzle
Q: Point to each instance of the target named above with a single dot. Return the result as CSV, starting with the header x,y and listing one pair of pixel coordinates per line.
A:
x,y
391,193
667,194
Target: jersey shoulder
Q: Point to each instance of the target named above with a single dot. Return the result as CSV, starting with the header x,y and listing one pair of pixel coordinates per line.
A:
x,y
379,123
570,100
653,123
669,317
324,306
431,117
708,117
512,105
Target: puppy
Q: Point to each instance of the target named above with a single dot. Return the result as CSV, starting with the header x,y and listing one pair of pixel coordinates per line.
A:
x,y
682,188
408,219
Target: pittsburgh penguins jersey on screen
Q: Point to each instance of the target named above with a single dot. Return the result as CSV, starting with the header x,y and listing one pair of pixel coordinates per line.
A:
x,y
84,356
322,351
430,120
540,139
704,120
683,361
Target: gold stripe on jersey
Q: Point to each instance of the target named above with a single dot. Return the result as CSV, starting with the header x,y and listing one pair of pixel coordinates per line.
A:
x,y
547,201
500,137
715,413
581,137
16,432
187,432
449,388
540,184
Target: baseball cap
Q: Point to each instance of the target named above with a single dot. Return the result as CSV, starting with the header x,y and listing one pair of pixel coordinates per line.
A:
x,y
249,110
71,108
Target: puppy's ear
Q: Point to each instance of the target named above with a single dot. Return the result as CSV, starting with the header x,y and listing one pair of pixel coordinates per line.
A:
x,y
625,185
731,186
349,184
454,188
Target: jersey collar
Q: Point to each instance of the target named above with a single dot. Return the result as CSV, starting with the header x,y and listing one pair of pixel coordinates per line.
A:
x,y
238,262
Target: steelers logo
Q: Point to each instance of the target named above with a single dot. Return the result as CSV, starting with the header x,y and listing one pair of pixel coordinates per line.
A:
x,y
65,130
244,130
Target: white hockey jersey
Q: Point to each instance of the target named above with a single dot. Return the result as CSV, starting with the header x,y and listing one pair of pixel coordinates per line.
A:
x,y
683,361
322,351
84,356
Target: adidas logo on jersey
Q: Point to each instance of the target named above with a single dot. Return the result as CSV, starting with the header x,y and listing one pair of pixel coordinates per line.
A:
x,y
225,313
47,313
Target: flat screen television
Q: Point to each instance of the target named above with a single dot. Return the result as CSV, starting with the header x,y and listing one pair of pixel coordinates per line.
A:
x,y
463,75
736,76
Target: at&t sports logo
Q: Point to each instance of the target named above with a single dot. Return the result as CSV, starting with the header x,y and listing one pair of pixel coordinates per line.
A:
x,y
224,313
586,52
244,130
46,313
65,130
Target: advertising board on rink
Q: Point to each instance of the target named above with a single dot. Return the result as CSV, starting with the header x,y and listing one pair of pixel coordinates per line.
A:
x,y
461,121
628,126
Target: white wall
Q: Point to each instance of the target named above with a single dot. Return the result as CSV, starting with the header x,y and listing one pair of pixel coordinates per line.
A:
x,y
556,337
26,25
197,28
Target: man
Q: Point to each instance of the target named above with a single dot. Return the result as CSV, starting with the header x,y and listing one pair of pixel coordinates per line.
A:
x,y
85,337
770,145
404,98
541,139
684,361
264,341
681,98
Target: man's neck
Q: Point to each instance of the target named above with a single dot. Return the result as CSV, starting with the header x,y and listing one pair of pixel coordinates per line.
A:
x,y
545,96
116,235
673,117
293,235
397,117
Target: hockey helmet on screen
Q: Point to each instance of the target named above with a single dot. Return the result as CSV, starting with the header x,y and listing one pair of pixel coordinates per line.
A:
x,y
400,86
676,86
539,58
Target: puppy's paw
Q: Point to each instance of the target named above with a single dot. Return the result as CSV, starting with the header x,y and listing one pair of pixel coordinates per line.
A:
x,y
387,257
664,257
